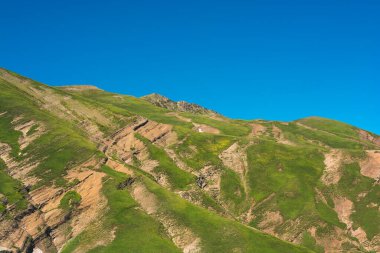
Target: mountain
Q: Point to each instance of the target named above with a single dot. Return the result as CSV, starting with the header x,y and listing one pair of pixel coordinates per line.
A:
x,y
181,106
86,170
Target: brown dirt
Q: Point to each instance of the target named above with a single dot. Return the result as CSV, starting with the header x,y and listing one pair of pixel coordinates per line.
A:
x,y
257,129
119,167
370,167
343,207
24,128
149,165
366,136
92,201
125,145
17,169
213,178
249,215
333,162
332,242
235,158
270,221
360,234
91,207
202,128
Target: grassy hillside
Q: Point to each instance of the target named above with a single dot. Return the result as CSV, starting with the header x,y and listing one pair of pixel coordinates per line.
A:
x,y
102,172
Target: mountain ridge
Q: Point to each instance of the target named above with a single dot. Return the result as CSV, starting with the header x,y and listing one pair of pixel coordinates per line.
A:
x,y
86,170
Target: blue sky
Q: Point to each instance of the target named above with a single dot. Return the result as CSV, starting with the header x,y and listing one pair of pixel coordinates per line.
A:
x,y
277,60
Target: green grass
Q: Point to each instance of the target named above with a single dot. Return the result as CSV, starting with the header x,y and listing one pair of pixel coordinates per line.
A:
x,y
328,214
217,234
128,106
207,148
227,127
136,232
178,178
11,189
331,126
368,217
301,134
232,191
309,242
289,172
351,184
8,135
62,146
70,200
68,151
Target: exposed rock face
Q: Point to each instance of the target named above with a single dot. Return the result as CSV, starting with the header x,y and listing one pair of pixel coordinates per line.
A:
x,y
180,106
125,144
44,224
129,181
366,136
258,129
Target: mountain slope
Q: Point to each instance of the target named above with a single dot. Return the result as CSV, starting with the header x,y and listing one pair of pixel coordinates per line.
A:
x,y
85,170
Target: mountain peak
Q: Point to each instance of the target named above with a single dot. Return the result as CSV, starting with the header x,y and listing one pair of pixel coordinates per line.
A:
x,y
181,106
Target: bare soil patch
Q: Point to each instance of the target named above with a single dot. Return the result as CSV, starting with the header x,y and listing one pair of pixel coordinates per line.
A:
x,y
202,128
370,167
333,162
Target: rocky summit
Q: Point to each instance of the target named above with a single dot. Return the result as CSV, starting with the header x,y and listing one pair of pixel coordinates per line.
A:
x,y
87,170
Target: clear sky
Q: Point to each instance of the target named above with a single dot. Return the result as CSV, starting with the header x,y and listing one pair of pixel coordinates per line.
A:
x,y
277,60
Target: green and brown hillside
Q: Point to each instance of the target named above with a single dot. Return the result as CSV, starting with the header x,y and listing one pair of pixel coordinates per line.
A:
x,y
86,170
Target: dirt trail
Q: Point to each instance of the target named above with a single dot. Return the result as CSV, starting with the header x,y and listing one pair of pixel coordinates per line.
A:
x,y
180,117
182,236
